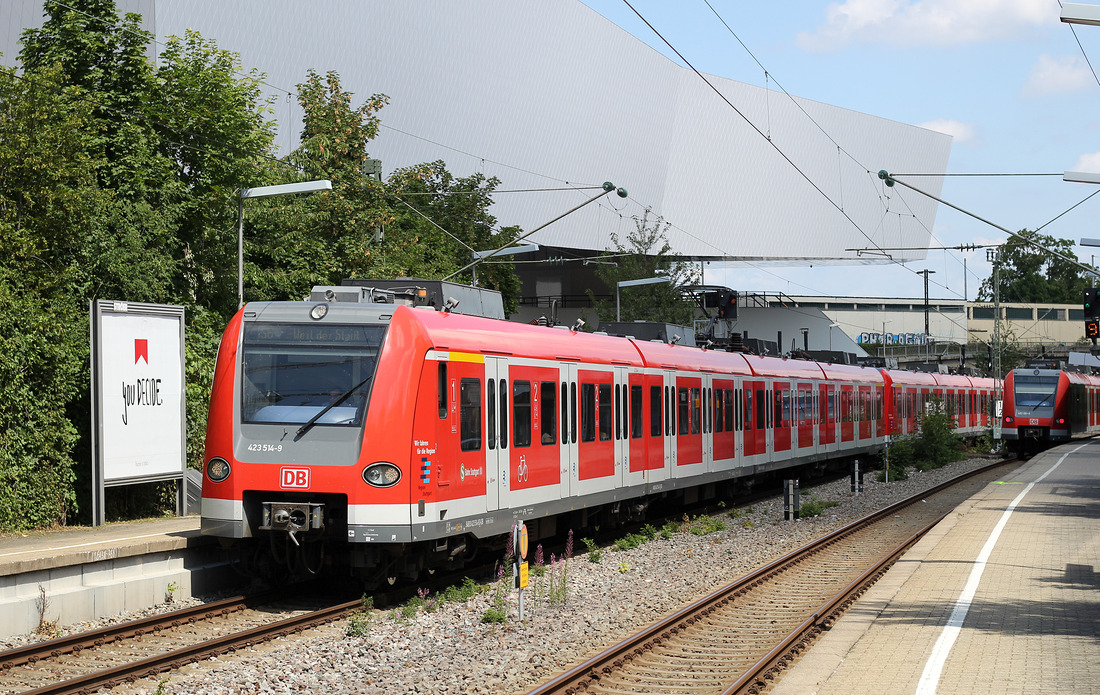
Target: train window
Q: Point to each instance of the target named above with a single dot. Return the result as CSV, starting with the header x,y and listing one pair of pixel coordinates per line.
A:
x,y
548,415
442,390
727,411
573,412
683,408
760,421
469,398
564,413
491,412
719,412
635,411
605,412
783,409
696,401
655,411
503,413
618,412
588,412
521,413
706,410
670,409
832,407
737,408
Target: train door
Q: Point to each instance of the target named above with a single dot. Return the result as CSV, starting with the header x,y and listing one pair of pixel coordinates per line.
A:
x,y
628,434
755,418
826,410
866,412
670,423
596,431
706,417
689,426
781,419
655,440
496,432
567,405
844,413
723,430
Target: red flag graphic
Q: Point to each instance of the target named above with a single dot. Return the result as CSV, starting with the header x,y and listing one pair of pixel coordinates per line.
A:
x,y
141,350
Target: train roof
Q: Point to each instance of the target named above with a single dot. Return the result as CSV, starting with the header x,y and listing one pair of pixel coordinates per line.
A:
x,y
851,372
665,356
458,332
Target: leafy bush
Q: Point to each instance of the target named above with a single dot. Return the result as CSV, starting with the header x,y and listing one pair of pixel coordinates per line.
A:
x,y
815,506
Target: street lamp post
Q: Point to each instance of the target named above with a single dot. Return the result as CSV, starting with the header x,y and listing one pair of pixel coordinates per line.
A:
x,y
632,283
263,192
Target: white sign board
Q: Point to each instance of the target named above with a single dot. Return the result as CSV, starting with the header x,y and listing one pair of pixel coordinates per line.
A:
x,y
139,413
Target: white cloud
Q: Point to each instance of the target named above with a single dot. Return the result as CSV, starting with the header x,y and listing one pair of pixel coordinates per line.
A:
x,y
926,22
1059,75
1088,162
962,132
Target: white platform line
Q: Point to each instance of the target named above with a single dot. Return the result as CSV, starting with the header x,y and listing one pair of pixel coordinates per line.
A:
x,y
930,678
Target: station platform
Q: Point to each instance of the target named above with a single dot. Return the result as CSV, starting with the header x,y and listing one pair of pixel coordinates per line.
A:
x,y
88,573
1002,596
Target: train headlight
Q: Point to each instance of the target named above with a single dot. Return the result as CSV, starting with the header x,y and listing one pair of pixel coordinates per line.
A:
x,y
1009,419
1061,421
217,469
381,474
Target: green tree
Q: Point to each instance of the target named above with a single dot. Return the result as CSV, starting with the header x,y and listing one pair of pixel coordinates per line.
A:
x,y
440,220
646,253
1030,274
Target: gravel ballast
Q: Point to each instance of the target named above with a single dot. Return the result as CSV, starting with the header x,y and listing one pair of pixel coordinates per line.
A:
x,y
450,650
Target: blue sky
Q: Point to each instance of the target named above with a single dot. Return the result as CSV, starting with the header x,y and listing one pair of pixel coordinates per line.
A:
x,y
1006,78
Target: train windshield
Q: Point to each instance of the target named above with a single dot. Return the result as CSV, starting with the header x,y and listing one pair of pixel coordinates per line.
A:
x,y
1035,392
292,372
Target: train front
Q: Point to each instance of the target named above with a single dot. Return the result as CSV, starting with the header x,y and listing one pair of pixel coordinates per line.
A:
x,y
291,393
1033,407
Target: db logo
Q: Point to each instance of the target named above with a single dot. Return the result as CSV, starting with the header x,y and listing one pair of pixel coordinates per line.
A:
x,y
296,478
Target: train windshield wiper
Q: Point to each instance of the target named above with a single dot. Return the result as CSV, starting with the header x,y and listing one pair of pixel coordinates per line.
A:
x,y
340,399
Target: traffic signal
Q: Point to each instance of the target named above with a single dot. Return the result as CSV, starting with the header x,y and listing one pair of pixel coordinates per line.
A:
x,y
1092,329
1092,304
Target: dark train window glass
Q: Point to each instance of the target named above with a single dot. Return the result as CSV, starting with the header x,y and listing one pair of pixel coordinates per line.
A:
x,y
683,407
291,373
573,413
1035,391
618,413
696,401
549,413
442,390
635,411
669,409
706,410
719,412
605,412
727,411
521,413
782,408
469,399
588,412
503,413
748,420
759,409
832,407
491,412
564,413
655,411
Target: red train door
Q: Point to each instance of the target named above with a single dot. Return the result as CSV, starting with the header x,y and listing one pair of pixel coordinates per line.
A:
x,y
866,412
804,414
845,411
596,431
781,416
723,429
826,408
755,436
689,420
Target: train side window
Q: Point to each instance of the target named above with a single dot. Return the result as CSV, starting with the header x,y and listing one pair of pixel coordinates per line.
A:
x,y
759,409
684,409
469,399
655,411
503,413
719,412
588,412
696,420
706,411
491,412
605,412
618,412
573,412
442,390
733,396
783,408
668,411
521,413
635,411
564,413
548,416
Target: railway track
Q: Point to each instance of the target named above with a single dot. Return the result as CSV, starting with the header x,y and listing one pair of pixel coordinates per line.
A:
x,y
741,637
107,657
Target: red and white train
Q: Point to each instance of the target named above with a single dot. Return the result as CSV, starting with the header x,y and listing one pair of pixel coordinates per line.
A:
x,y
1045,406
393,440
